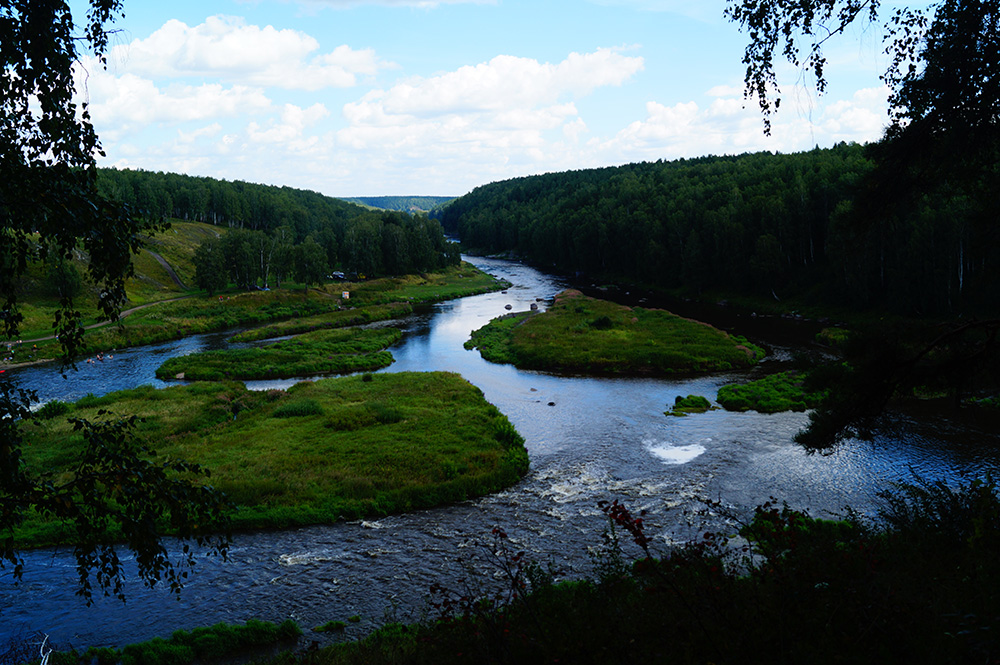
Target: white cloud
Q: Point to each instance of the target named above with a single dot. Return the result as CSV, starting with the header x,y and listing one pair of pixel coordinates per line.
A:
x,y
227,48
294,120
726,126
502,83
121,104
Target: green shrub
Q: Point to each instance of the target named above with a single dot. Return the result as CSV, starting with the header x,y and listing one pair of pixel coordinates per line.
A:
x,y
690,404
385,413
298,408
330,627
51,409
778,392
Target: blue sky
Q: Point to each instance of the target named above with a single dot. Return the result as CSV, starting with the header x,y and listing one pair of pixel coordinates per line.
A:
x,y
377,97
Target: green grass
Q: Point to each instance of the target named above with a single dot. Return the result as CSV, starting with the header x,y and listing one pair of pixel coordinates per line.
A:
x,y
219,643
322,451
337,351
778,392
687,405
456,282
370,301
151,282
587,335
495,340
348,317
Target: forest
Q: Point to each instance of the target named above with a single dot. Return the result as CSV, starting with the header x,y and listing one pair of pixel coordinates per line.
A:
x,y
783,226
270,234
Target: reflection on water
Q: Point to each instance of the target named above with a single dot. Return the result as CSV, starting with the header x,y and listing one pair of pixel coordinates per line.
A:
x,y
589,439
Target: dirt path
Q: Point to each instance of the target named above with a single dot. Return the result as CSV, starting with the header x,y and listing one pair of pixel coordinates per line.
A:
x,y
101,324
166,266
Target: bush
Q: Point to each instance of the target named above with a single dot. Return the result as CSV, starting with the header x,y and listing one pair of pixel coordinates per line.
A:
x,y
52,409
690,404
778,392
298,408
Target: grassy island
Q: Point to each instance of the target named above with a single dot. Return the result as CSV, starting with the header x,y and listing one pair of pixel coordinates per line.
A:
x,y
320,352
587,335
342,448
785,391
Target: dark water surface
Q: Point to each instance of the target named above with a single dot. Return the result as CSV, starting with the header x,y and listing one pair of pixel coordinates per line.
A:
x,y
588,438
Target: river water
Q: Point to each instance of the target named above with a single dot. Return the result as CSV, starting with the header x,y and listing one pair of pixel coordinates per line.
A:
x,y
589,439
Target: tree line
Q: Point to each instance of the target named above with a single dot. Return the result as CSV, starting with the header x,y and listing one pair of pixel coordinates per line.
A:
x,y
278,233
765,224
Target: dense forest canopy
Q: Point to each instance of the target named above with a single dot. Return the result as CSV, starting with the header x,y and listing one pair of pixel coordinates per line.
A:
x,y
275,233
764,224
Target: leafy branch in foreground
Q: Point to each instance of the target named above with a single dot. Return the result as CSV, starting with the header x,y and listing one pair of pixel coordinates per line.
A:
x,y
116,493
885,364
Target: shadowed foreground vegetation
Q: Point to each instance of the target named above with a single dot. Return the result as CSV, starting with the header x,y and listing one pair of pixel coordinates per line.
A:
x,y
587,335
786,391
915,584
210,644
919,585
322,451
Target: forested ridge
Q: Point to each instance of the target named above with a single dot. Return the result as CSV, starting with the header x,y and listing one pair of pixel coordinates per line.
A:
x,y
767,224
273,233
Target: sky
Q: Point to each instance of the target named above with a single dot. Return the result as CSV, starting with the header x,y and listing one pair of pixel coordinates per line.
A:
x,y
420,97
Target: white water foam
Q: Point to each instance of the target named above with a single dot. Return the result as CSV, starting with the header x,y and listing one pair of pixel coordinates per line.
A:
x,y
669,454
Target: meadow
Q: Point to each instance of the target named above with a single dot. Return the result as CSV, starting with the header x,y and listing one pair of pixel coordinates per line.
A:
x,y
370,300
323,451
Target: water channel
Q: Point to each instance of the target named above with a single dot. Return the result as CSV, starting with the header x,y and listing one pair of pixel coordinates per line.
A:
x,y
588,439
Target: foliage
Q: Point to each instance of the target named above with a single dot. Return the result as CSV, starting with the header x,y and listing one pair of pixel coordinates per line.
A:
x,y
51,409
348,317
337,351
394,443
207,644
210,266
690,404
495,339
891,361
111,490
279,232
803,590
330,627
703,224
785,391
49,203
298,409
581,334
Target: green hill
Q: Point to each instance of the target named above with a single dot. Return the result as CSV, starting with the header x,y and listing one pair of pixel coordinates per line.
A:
x,y
410,204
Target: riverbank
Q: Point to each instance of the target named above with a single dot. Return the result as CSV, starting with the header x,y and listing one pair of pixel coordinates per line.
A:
x,y
175,319
795,590
323,451
587,335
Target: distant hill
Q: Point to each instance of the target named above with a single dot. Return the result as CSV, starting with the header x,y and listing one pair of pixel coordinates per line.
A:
x,y
410,204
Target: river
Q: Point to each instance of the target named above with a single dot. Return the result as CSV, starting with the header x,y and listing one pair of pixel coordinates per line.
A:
x,y
589,439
